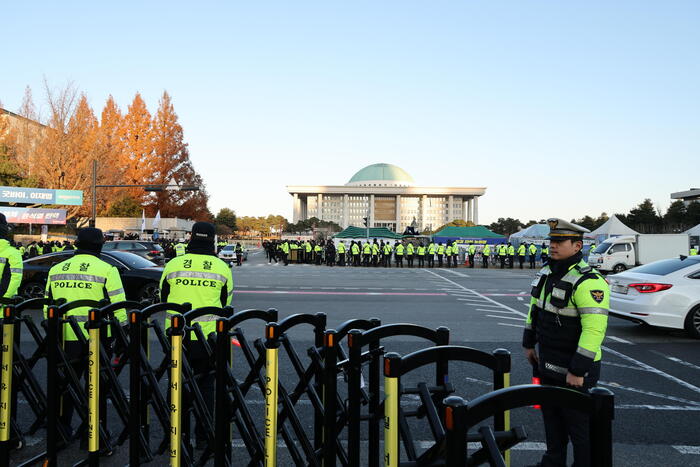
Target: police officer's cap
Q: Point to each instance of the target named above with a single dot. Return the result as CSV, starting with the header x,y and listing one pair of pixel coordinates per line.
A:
x,y
88,237
203,231
559,229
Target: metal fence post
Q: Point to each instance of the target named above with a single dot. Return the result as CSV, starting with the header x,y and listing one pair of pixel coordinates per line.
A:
x,y
93,385
53,341
330,398
135,422
222,412
456,431
177,331
501,381
354,404
392,371
8,339
271,388
601,427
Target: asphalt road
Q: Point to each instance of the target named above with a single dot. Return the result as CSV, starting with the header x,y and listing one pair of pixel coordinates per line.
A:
x,y
655,374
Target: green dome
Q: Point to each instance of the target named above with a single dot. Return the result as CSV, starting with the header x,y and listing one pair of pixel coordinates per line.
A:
x,y
381,175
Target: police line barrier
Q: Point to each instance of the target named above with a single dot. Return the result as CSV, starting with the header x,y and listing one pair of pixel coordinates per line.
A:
x,y
372,339
461,415
431,398
314,380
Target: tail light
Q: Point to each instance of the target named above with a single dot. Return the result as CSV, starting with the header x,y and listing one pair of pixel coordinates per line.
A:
x,y
155,252
536,380
650,287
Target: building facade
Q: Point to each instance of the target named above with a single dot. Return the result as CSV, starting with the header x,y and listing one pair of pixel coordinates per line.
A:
x,y
692,194
388,197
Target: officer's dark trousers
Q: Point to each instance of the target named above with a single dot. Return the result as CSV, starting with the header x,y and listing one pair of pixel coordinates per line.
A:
x,y
521,260
431,261
421,261
532,262
239,260
399,261
341,259
471,261
511,261
485,260
456,259
439,261
503,261
560,425
365,260
409,258
76,353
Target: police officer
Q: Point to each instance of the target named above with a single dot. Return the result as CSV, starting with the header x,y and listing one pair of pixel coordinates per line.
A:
x,y
532,251
10,262
431,254
521,254
239,254
471,251
341,253
421,255
199,277
694,251
375,253
399,251
83,276
544,254
485,253
510,250
567,322
440,252
410,251
179,249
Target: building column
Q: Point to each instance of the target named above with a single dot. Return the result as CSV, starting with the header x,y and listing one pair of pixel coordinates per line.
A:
x,y
371,211
296,208
465,210
470,209
346,211
398,213
319,206
304,208
475,215
423,212
450,210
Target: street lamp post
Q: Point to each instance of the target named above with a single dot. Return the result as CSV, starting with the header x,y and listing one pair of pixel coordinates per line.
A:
x,y
149,188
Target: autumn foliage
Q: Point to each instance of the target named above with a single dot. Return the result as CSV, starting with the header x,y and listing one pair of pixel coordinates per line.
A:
x,y
131,148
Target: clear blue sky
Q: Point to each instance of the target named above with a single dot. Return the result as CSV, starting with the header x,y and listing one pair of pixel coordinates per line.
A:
x,y
559,108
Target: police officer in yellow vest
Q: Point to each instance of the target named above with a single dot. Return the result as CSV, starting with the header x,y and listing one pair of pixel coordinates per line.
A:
x,y
440,252
410,251
420,252
532,252
471,251
10,262
366,253
399,251
83,276
694,251
521,254
485,253
341,253
199,277
179,249
430,255
567,322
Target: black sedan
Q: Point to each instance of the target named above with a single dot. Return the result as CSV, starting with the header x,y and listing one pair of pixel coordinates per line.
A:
x,y
140,277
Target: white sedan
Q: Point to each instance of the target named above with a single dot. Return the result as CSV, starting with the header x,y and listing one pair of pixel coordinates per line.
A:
x,y
664,293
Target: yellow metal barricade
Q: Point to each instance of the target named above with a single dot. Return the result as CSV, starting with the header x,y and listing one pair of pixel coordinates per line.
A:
x,y
8,338
391,410
271,387
93,387
177,330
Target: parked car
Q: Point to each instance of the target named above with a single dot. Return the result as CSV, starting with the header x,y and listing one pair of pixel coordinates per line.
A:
x,y
228,254
664,293
140,277
152,251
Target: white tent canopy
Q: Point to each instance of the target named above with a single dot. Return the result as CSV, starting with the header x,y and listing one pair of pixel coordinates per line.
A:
x,y
536,233
612,227
694,232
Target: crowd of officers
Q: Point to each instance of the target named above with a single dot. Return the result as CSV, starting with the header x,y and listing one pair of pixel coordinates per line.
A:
x,y
381,253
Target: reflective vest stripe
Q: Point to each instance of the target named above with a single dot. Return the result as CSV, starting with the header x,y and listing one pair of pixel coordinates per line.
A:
x,y
196,275
78,277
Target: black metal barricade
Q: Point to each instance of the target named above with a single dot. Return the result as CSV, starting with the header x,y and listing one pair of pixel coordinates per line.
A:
x,y
335,415
372,339
231,405
308,383
462,415
396,428
145,394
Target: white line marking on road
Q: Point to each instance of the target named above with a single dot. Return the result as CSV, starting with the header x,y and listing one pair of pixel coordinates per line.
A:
x,y
513,325
491,310
524,315
679,408
619,339
505,317
677,360
663,374
460,274
648,393
520,298
687,449
621,365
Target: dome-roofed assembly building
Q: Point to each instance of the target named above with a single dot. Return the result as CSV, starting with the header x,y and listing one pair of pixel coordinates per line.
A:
x,y
388,196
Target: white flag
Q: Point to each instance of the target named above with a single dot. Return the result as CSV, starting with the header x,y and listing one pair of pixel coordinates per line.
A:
x,y
143,220
156,220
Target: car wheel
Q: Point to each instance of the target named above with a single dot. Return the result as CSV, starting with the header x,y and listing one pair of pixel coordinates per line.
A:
x,y
619,268
692,323
33,290
149,292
